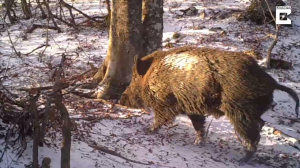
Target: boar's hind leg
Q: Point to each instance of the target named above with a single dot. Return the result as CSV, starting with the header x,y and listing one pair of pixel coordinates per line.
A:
x,y
198,123
249,130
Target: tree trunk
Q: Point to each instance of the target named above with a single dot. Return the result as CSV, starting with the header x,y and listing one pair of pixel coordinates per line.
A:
x,y
50,15
33,108
26,9
44,16
130,35
108,7
66,131
124,44
152,25
8,6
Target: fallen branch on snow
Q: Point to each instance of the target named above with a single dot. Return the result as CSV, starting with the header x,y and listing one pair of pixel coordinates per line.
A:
x,y
41,46
77,10
35,26
111,152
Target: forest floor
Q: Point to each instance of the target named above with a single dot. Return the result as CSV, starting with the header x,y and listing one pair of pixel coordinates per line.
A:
x,y
124,132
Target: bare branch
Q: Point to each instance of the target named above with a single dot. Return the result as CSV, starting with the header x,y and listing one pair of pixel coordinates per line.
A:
x,y
270,10
111,152
41,46
35,26
268,60
10,40
275,39
50,15
65,22
66,122
8,132
72,7
33,108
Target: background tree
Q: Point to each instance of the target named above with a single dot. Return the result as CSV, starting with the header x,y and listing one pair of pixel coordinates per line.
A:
x,y
130,35
9,11
26,9
152,25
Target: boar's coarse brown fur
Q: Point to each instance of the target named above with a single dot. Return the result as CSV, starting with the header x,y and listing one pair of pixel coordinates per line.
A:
x,y
204,81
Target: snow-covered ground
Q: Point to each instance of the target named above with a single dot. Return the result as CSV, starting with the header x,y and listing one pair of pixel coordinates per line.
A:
x,y
170,147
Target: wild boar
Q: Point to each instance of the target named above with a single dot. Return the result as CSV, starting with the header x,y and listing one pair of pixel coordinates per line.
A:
x,y
204,81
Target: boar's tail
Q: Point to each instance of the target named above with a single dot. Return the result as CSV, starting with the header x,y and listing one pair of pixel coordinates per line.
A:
x,y
292,93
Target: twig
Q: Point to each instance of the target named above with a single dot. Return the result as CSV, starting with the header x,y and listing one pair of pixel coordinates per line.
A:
x,y
272,46
56,87
66,131
207,130
175,125
65,22
41,46
45,120
36,124
111,152
217,160
271,13
65,85
72,7
294,146
50,15
47,38
275,39
84,95
66,122
10,40
35,26
6,145
111,104
82,74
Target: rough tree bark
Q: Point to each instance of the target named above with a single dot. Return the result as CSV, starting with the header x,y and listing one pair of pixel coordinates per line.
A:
x,y
130,35
33,108
124,44
26,9
108,7
8,7
152,25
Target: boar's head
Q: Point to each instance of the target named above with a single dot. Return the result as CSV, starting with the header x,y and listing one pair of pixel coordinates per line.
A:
x,y
132,96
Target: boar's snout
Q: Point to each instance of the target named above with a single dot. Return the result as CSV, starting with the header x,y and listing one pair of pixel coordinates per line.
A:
x,y
124,100
131,101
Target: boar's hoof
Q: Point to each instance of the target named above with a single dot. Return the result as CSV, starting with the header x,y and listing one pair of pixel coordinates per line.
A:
x,y
200,140
153,129
150,130
247,158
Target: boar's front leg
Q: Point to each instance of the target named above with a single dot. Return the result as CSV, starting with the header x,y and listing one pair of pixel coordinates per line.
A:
x,y
161,117
198,123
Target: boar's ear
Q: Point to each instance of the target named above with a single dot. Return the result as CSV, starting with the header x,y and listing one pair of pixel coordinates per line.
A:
x,y
142,66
